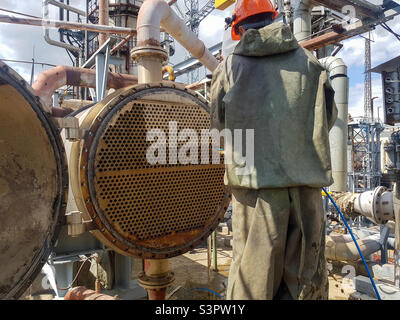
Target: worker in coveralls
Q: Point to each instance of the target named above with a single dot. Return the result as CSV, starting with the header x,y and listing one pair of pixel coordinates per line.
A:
x,y
272,85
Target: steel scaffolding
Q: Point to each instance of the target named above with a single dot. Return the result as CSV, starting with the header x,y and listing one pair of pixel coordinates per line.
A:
x,y
364,159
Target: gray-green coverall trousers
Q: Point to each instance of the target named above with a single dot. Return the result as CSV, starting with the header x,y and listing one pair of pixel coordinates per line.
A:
x,y
278,245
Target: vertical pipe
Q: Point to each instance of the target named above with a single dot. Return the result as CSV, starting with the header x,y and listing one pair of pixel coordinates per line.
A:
x,y
302,27
157,269
150,69
103,19
396,207
61,19
338,135
215,252
209,254
152,15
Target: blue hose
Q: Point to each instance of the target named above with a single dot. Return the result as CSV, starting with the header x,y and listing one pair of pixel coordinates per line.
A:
x,y
355,241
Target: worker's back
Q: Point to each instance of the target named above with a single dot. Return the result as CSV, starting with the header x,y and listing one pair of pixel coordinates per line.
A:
x,y
272,85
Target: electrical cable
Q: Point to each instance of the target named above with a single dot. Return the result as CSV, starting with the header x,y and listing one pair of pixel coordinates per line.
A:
x,y
385,26
355,241
76,277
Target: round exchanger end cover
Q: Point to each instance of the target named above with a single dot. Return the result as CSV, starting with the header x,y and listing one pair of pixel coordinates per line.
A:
x,y
33,184
153,210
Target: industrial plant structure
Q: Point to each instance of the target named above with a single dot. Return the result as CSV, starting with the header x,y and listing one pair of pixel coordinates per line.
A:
x,y
75,182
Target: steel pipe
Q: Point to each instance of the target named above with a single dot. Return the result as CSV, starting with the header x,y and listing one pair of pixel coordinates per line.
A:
x,y
67,25
156,278
66,7
377,205
149,54
337,70
50,80
81,293
45,6
103,19
302,27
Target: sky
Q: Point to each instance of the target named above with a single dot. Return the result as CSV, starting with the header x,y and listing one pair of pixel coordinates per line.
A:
x,y
20,42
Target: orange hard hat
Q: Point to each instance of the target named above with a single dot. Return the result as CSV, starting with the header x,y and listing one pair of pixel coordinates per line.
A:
x,y
248,8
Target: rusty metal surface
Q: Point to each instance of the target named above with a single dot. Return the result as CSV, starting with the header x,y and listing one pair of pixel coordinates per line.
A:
x,y
33,184
81,293
104,18
50,80
147,211
341,33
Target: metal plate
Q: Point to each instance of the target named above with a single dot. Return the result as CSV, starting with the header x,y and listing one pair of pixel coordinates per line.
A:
x,y
33,182
144,210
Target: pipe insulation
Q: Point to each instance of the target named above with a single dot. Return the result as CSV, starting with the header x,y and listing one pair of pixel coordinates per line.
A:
x,y
341,248
337,70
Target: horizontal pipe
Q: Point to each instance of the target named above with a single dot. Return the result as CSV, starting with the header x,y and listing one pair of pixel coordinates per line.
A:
x,y
58,112
376,205
66,7
50,80
81,293
45,5
67,25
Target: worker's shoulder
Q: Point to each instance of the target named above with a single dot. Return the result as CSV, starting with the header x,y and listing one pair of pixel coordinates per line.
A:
x,y
311,58
222,68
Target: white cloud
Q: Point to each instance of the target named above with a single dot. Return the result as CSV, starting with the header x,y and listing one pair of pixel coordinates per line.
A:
x,y
17,41
384,46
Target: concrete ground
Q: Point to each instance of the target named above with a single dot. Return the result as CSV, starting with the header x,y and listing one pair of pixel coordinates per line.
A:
x,y
192,272
193,276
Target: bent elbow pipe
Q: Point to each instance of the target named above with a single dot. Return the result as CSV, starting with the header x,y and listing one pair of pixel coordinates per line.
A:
x,y
156,13
50,80
45,5
341,249
334,65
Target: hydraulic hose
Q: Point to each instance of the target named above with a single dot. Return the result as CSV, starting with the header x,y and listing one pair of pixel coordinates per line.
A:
x,y
355,241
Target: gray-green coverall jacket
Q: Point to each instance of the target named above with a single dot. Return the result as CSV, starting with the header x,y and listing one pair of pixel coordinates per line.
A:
x,y
272,85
